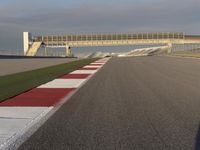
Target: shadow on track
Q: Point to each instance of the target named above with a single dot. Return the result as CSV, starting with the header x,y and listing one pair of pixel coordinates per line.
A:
x,y
197,145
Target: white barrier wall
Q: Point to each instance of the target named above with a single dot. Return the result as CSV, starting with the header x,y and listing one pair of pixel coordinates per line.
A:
x,y
26,41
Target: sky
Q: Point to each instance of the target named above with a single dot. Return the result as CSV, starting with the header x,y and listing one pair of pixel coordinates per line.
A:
x,y
61,17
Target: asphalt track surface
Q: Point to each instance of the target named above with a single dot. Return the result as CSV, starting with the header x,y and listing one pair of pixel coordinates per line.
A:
x,y
131,103
16,65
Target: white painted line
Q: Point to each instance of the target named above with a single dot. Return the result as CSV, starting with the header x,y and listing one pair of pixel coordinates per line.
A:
x,y
92,66
13,119
12,126
20,112
63,83
84,72
8,127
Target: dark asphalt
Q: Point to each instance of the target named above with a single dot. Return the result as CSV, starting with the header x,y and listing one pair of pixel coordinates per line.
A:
x,y
131,103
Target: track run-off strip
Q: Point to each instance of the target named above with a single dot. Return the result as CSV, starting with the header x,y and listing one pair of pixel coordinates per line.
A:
x,y
21,112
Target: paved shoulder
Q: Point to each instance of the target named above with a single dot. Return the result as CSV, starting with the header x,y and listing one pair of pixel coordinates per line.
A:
x,y
10,66
131,103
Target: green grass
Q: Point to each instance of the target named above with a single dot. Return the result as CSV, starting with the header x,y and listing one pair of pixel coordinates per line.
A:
x,y
12,85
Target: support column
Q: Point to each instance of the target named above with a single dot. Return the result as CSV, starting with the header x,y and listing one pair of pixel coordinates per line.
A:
x,y
26,38
46,51
169,48
68,51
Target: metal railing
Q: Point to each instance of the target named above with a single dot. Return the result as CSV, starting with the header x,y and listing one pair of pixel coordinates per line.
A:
x,y
106,37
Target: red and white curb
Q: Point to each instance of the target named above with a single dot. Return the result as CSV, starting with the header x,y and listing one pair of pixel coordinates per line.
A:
x,y
20,113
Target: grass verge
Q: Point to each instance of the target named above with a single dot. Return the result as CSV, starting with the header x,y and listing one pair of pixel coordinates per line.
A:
x,y
12,85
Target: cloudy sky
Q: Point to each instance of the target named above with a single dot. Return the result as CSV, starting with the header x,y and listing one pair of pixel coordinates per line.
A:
x,y
94,16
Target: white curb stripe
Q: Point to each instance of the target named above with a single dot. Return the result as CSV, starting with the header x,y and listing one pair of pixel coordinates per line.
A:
x,y
17,120
84,72
92,66
9,127
21,112
63,83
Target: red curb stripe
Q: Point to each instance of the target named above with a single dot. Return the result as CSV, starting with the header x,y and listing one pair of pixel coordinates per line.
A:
x,y
38,97
45,96
75,76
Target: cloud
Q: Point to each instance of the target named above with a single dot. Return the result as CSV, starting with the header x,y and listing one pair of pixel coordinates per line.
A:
x,y
99,17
